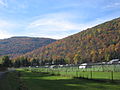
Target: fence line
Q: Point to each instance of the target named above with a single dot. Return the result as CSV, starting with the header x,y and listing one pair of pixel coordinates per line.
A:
x,y
111,72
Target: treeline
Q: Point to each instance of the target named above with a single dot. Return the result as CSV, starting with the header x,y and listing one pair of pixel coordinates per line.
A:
x,y
97,44
25,62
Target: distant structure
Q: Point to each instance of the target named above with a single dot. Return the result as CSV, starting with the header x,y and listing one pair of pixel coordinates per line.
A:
x,y
114,61
85,65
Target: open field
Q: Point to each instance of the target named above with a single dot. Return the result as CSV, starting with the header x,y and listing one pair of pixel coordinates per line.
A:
x,y
44,79
98,72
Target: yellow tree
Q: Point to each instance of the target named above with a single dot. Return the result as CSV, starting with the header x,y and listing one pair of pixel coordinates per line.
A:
x,y
77,59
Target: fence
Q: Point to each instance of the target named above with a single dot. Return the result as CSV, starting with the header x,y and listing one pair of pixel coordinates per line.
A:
x,y
111,72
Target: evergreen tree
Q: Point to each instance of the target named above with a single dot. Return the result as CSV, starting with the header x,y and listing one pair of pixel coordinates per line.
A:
x,y
6,61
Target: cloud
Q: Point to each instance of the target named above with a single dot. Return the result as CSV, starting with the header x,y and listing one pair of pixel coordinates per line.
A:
x,y
6,24
46,35
14,6
53,25
113,5
4,34
58,25
3,3
6,28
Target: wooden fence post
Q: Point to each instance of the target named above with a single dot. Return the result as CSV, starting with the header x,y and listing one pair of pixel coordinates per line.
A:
x,y
112,75
91,74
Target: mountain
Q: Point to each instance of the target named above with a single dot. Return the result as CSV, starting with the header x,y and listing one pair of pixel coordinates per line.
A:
x,y
99,43
20,45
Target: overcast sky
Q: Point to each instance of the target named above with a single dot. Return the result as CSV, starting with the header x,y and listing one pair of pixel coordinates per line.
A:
x,y
53,18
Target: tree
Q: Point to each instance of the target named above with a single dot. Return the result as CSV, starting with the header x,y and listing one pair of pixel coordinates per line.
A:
x,y
67,60
6,61
77,59
35,62
107,56
24,62
94,55
17,63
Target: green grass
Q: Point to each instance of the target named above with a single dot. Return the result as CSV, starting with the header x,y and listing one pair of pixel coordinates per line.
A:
x,y
9,81
75,72
46,81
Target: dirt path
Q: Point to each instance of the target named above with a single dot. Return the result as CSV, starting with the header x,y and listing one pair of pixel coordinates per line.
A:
x,y
2,73
8,70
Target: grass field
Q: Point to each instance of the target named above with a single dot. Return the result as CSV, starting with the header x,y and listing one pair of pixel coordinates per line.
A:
x,y
46,81
75,72
22,79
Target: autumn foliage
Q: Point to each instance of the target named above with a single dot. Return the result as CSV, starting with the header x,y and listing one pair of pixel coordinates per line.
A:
x,y
100,43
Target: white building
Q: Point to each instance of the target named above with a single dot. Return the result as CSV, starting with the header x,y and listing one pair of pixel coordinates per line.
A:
x,y
114,61
85,65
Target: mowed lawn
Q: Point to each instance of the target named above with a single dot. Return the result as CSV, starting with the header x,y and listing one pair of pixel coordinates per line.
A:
x,y
45,81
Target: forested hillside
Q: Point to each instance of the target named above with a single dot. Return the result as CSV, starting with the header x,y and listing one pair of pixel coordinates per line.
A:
x,y
21,45
100,43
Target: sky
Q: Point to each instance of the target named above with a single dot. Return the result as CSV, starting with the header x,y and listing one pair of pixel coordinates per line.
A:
x,y
53,18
